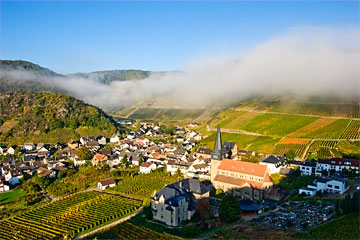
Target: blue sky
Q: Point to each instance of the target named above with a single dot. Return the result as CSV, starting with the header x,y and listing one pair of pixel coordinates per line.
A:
x,y
84,36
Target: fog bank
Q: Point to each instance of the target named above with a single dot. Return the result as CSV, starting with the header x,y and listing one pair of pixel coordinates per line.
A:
x,y
303,61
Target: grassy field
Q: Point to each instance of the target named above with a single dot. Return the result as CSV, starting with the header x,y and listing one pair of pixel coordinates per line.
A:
x,y
12,196
254,143
165,114
232,119
317,124
321,107
345,227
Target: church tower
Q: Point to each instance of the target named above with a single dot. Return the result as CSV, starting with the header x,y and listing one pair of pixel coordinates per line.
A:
x,y
217,154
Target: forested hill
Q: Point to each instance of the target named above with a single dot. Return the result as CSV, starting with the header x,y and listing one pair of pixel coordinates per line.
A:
x,y
106,77
49,117
9,65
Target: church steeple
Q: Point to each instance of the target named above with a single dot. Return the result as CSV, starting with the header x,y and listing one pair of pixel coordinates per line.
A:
x,y
218,152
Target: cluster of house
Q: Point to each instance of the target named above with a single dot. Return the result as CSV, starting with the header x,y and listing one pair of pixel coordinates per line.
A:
x,y
36,159
249,181
335,167
47,160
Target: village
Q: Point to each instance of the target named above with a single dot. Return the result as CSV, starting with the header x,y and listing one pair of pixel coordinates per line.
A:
x,y
207,173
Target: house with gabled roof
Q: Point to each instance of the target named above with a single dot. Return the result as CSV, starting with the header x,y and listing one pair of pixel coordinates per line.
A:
x,y
102,184
99,159
147,167
177,202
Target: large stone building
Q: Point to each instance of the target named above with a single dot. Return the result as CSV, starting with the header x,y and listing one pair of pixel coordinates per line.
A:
x,y
244,179
176,202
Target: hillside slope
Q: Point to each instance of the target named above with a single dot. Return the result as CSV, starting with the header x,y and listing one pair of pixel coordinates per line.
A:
x,y
106,77
49,117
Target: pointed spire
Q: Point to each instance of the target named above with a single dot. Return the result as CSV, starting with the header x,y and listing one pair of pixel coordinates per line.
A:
x,y
218,141
218,152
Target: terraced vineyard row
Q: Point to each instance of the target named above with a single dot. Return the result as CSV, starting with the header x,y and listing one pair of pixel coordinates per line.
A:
x,y
282,149
324,148
127,230
71,215
143,185
352,131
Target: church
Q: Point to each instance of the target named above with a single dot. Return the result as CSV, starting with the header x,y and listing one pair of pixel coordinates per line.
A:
x,y
244,179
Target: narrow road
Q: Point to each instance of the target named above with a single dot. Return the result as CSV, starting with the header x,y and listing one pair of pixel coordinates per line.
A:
x,y
295,114
127,116
208,128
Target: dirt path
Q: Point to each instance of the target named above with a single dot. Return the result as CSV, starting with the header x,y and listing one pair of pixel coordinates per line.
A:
x,y
295,114
110,225
307,149
135,109
53,199
208,128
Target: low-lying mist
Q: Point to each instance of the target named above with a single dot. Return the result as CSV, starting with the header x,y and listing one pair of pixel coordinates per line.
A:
x,y
303,61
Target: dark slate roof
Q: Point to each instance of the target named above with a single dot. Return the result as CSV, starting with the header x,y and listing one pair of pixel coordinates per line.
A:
x,y
229,145
309,164
271,159
322,180
179,190
192,185
249,205
171,194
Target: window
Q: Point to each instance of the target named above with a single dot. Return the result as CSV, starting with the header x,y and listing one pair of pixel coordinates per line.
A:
x,y
330,186
337,187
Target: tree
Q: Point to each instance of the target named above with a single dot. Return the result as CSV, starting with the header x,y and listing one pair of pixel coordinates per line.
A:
x,y
276,178
291,154
204,209
229,209
178,175
219,191
124,161
84,154
105,167
337,208
141,161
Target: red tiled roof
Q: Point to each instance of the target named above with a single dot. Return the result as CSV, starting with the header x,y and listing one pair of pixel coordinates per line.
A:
x,y
237,181
107,182
243,167
99,156
146,164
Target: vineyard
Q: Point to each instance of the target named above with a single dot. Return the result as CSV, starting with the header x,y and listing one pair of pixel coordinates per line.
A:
x,y
317,124
324,148
72,215
282,149
352,131
144,185
345,227
127,230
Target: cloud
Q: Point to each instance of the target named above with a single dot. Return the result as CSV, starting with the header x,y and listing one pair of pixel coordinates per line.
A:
x,y
303,61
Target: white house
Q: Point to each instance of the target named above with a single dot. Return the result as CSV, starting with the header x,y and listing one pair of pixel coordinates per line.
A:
x,y
337,164
28,146
114,139
308,168
11,150
3,150
102,184
147,167
330,185
309,190
4,187
273,163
